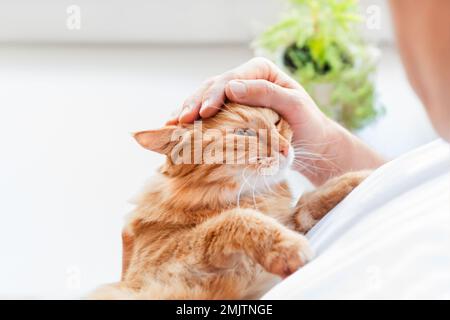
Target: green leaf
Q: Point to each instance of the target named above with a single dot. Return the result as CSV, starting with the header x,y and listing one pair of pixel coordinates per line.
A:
x,y
321,44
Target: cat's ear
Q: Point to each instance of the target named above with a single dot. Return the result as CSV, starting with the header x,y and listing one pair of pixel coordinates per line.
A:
x,y
160,140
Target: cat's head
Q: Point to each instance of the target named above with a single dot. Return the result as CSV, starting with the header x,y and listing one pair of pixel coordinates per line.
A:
x,y
246,147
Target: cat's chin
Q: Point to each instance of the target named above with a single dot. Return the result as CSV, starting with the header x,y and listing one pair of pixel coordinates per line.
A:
x,y
261,183
279,176
285,165
263,179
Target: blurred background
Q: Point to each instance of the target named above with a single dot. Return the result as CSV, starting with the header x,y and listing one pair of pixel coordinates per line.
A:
x,y
76,77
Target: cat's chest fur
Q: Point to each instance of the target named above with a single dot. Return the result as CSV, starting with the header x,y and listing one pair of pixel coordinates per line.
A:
x,y
163,215
276,204
164,202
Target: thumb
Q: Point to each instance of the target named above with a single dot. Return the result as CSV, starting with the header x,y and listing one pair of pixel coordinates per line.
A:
x,y
262,93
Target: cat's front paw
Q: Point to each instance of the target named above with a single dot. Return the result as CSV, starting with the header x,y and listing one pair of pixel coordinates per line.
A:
x,y
287,254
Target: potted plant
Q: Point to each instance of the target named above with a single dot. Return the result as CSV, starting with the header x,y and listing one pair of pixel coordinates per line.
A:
x,y
319,45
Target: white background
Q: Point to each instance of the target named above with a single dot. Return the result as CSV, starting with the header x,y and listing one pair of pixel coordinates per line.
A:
x,y
150,21
69,99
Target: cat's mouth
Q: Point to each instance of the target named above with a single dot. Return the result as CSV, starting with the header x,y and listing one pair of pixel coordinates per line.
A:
x,y
274,166
268,171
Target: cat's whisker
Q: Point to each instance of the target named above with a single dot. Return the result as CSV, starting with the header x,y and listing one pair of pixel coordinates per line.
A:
x,y
238,200
311,156
312,168
316,157
242,186
303,142
313,159
253,187
303,166
269,188
253,191
305,152
309,153
303,149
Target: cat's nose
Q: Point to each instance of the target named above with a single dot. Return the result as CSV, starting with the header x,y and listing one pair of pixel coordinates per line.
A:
x,y
284,150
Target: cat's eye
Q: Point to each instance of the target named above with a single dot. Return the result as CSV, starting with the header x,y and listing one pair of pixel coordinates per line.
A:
x,y
245,132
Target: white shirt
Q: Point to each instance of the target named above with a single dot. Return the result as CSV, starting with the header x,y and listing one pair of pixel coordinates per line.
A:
x,y
389,239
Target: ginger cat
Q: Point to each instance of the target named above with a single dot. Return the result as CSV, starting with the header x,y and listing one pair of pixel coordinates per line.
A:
x,y
215,230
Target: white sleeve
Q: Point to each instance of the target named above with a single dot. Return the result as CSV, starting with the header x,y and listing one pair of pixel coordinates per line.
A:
x,y
390,238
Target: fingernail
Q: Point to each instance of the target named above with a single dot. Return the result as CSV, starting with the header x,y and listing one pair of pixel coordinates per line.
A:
x,y
238,88
184,112
172,121
173,118
205,105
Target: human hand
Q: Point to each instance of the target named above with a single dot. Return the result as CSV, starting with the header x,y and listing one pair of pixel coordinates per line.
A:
x,y
257,82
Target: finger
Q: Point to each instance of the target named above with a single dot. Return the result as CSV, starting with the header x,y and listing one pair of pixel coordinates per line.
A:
x,y
213,98
189,113
191,106
173,120
263,93
260,68
256,68
174,116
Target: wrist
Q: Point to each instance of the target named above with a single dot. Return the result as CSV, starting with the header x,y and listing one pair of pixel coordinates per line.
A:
x,y
351,153
338,152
